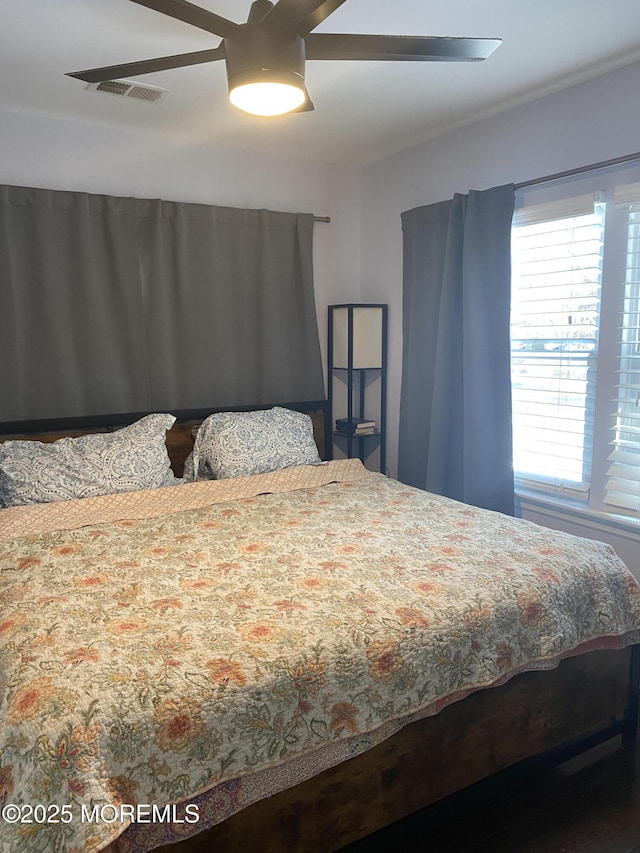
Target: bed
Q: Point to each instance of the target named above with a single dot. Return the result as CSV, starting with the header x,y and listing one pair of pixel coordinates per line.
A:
x,y
301,656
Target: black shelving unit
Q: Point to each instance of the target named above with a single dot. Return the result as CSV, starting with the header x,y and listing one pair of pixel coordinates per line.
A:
x,y
357,377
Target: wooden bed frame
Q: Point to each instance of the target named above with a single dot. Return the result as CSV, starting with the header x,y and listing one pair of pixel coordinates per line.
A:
x,y
546,716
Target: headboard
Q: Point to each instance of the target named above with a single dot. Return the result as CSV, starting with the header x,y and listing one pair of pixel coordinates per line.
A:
x,y
179,437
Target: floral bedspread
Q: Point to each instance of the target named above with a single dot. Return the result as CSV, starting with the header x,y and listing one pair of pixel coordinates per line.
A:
x,y
149,660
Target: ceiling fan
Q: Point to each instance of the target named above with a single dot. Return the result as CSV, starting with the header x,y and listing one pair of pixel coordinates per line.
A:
x,y
265,57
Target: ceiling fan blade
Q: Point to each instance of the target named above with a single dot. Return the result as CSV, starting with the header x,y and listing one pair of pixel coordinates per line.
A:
x,y
146,66
399,48
302,15
190,14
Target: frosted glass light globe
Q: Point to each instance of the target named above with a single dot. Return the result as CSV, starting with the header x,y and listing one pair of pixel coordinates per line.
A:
x,y
267,98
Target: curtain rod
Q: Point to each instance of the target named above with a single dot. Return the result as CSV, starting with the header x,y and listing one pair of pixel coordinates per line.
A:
x,y
581,170
322,219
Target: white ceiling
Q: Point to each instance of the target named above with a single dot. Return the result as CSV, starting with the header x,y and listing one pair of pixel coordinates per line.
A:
x,y
364,110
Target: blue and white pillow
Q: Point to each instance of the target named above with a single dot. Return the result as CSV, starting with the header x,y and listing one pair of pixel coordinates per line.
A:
x,y
131,458
237,444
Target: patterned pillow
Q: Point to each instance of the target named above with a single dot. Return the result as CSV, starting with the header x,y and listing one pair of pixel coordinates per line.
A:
x,y
131,458
237,444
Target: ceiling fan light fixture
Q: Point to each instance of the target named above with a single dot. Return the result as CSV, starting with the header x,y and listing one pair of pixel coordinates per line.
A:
x,y
264,92
265,57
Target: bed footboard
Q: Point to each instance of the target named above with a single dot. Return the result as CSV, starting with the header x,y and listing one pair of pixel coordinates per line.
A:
x,y
551,715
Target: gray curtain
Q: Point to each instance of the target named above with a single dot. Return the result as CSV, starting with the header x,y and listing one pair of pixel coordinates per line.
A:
x,y
121,305
232,290
455,409
70,305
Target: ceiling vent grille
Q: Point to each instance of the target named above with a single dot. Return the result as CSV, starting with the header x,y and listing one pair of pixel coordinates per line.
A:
x,y
124,89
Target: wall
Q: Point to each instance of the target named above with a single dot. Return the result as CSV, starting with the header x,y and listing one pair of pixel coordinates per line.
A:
x,y
44,151
587,123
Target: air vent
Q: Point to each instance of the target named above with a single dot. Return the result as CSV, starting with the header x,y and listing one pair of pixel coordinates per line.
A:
x,y
124,89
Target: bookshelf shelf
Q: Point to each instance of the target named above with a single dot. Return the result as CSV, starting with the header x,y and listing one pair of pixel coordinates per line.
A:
x,y
357,436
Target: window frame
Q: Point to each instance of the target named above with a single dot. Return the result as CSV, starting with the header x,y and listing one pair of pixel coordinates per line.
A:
x,y
592,502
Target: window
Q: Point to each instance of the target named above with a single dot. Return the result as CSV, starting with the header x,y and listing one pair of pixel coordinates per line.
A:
x,y
557,274
623,475
575,343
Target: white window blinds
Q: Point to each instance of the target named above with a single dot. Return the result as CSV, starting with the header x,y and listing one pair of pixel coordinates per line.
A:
x,y
557,270
623,475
